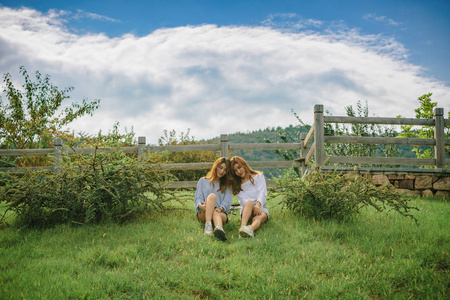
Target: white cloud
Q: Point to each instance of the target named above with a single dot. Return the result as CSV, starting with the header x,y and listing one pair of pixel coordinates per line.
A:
x,y
214,79
291,22
81,14
382,19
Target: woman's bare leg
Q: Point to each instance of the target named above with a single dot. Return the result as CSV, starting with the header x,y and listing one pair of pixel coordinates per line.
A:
x,y
206,213
247,212
258,220
219,218
210,203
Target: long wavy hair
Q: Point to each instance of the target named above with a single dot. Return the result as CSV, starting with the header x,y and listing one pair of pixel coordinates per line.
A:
x,y
212,174
236,181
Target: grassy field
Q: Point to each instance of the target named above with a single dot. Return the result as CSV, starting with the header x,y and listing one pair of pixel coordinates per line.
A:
x,y
378,256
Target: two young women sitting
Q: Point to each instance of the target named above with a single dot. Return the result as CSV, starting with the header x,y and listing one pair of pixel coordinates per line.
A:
x,y
215,192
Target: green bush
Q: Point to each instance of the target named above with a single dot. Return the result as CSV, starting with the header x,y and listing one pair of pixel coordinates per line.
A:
x,y
332,195
89,189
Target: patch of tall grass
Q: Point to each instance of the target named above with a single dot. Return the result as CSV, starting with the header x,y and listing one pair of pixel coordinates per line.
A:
x,y
378,255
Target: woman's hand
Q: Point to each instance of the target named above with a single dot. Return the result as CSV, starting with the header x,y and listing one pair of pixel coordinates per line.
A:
x,y
202,206
257,210
218,209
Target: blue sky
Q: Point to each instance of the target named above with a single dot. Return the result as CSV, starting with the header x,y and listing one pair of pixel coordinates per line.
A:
x,y
185,64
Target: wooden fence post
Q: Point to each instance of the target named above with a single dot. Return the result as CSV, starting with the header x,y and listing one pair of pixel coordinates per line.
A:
x,y
319,151
439,148
303,151
141,146
224,145
57,155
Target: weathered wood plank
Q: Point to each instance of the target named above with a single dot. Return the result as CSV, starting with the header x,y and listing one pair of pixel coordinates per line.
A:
x,y
22,170
319,154
378,120
184,148
208,165
182,184
439,136
64,151
101,150
25,152
273,164
368,170
187,166
310,135
380,160
224,145
310,153
264,146
193,184
303,152
57,157
141,147
378,140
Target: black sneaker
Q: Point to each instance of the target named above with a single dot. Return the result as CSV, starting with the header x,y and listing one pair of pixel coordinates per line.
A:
x,y
219,233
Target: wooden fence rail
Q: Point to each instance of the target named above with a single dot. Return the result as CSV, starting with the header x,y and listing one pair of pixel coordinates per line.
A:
x,y
311,146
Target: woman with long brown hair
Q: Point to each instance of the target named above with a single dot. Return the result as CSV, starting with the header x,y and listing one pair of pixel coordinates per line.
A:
x,y
213,199
250,188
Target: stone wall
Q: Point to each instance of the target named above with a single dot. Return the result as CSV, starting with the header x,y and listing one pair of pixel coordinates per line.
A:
x,y
418,185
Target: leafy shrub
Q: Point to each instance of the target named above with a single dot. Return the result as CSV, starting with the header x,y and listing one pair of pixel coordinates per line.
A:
x,y
332,195
100,187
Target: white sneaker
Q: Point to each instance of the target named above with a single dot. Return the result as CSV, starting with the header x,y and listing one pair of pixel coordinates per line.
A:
x,y
208,229
245,232
220,233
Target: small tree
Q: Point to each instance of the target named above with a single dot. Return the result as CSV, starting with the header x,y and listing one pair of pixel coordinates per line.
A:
x,y
424,111
33,116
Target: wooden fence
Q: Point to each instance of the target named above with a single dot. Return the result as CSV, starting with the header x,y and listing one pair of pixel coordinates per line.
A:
x,y
317,147
142,149
312,145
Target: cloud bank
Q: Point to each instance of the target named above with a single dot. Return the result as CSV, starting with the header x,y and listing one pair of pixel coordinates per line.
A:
x,y
212,79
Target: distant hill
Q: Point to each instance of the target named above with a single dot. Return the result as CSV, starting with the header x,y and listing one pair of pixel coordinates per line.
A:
x,y
259,136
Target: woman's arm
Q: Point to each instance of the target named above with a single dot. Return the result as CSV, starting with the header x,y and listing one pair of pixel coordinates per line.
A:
x,y
242,198
261,187
199,195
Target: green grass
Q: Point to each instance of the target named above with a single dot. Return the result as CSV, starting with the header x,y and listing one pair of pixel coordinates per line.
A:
x,y
378,256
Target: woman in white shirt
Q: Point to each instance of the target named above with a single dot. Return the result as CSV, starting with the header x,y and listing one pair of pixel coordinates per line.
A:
x,y
213,199
250,188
